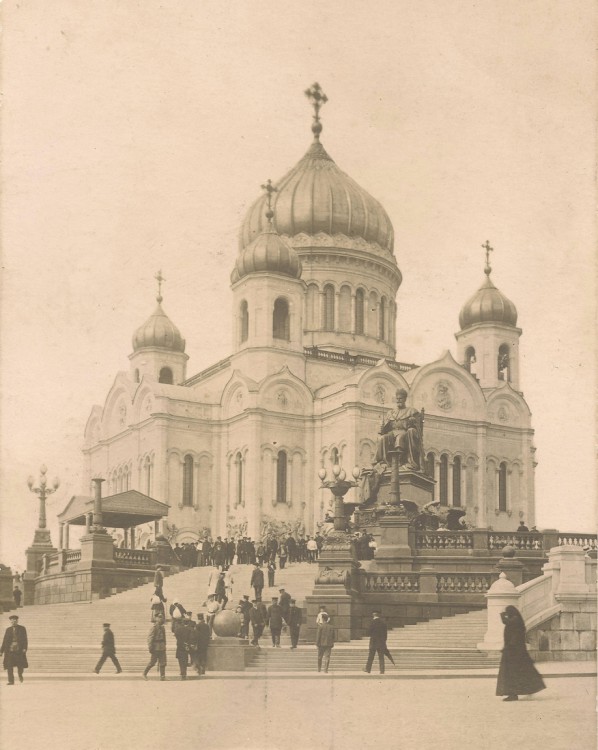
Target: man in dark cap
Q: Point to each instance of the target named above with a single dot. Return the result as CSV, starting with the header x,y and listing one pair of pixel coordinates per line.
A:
x,y
108,650
378,633
156,644
257,581
294,617
258,622
275,621
14,648
245,607
284,600
203,636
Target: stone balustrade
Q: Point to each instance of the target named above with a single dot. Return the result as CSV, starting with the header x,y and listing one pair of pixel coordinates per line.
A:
x,y
519,540
395,582
464,583
133,558
432,540
578,540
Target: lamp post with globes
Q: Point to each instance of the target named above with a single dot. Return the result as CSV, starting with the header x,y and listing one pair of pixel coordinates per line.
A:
x,y
339,485
42,533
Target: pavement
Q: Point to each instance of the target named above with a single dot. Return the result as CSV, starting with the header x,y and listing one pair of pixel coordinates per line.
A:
x,y
413,711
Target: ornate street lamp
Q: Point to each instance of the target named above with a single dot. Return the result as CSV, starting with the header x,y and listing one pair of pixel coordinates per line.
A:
x,y
339,485
42,534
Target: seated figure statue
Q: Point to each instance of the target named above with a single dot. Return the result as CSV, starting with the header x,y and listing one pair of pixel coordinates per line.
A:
x,y
402,432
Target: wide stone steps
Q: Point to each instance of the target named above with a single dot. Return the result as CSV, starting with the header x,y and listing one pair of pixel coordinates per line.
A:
x,y
66,637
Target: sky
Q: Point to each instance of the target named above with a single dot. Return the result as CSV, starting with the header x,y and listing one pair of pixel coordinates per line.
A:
x,y
136,135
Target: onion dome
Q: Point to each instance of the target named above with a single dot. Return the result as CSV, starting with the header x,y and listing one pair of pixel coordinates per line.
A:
x,y
488,305
158,331
316,196
268,251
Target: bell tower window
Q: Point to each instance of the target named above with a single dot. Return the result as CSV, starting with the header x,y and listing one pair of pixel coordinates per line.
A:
x,y
470,360
281,328
504,370
165,376
244,321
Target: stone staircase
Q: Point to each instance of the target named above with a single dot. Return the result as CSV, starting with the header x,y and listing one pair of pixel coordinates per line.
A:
x,y
66,637
447,643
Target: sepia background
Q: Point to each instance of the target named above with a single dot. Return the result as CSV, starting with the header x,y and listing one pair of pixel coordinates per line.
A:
x,y
136,134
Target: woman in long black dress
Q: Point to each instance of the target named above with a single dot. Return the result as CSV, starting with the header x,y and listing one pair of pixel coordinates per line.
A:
x,y
517,674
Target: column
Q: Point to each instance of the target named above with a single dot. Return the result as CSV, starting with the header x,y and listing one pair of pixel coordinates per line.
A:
x,y
337,305
156,528
66,536
61,536
88,523
126,535
353,312
132,537
437,480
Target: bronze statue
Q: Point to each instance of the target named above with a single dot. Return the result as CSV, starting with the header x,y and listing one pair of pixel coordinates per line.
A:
x,y
402,432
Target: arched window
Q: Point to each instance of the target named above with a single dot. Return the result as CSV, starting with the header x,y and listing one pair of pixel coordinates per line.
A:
x,y
281,328
136,376
328,308
359,310
430,465
188,481
281,477
165,376
502,486
504,370
457,482
244,321
444,479
239,464
470,360
382,320
148,475
344,309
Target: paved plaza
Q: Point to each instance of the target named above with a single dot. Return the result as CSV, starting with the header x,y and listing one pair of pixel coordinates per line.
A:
x,y
319,712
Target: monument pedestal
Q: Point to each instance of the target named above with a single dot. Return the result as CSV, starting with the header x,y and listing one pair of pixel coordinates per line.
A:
x,y
397,540
228,655
413,486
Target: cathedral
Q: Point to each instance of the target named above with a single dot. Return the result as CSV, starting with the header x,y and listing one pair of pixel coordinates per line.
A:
x,y
238,447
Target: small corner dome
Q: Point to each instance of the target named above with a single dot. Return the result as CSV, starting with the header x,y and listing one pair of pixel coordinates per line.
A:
x,y
488,305
160,332
267,252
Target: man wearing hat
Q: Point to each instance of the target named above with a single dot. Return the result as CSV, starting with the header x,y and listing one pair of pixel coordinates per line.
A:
x,y
14,648
284,600
156,644
378,633
274,621
202,635
294,617
258,621
108,650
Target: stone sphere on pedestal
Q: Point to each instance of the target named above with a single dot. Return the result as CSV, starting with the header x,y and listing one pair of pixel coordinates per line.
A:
x,y
508,551
227,624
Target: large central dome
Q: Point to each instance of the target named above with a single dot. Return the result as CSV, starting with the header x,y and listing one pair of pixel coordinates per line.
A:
x,y
317,197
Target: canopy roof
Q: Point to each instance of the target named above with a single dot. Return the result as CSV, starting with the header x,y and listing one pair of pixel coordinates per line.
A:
x,y
119,511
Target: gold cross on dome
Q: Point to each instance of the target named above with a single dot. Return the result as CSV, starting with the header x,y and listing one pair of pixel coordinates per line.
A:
x,y
270,190
159,278
317,99
487,247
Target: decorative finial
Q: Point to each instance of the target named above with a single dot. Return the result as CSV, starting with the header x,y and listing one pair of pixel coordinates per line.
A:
x,y
270,189
317,98
488,249
159,278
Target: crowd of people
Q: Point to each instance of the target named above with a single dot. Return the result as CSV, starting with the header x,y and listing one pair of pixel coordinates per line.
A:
x,y
283,550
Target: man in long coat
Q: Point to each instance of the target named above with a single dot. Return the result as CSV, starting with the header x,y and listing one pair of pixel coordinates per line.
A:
x,y
275,621
258,621
378,634
284,600
108,650
14,648
294,618
156,643
257,581
202,631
